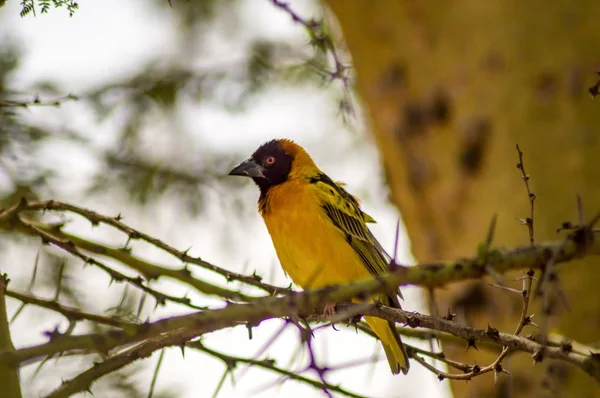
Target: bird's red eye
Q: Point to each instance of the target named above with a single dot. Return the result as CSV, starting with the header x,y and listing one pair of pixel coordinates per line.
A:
x,y
270,160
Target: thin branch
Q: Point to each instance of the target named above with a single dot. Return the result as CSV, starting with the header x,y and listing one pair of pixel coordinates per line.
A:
x,y
587,363
307,302
579,243
9,373
72,314
529,220
269,364
155,375
37,102
323,41
70,247
133,234
83,382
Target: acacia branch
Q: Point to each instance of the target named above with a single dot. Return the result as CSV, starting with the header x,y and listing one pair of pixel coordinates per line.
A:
x,y
83,382
71,313
36,101
269,364
580,242
9,373
312,300
589,363
10,220
134,234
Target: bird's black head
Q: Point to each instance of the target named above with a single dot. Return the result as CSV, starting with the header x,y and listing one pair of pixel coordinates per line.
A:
x,y
269,165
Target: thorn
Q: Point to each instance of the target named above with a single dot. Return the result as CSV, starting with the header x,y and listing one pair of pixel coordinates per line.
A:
x,y
566,346
492,332
396,240
594,220
538,356
450,317
471,343
580,210
491,230
509,289
527,277
182,347
412,322
528,321
256,276
531,273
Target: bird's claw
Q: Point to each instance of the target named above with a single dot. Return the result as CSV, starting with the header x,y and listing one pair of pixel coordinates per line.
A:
x,y
328,312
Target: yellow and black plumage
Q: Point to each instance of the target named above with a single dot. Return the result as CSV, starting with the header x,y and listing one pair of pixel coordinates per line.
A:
x,y
319,231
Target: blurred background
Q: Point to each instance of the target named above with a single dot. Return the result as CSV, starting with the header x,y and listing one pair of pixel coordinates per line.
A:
x,y
417,106
169,99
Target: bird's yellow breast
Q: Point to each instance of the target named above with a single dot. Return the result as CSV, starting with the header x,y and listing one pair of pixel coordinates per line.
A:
x,y
311,249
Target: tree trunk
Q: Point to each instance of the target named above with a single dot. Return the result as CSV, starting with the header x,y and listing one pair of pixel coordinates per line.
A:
x,y
451,88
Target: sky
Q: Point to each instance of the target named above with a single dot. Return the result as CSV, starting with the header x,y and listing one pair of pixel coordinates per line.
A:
x,y
99,44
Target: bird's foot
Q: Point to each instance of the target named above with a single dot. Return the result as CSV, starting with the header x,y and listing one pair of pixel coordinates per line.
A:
x,y
328,312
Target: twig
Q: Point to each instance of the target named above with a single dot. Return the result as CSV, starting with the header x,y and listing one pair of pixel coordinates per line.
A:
x,y
323,41
29,288
37,102
132,234
155,375
72,314
70,247
269,364
321,371
438,356
83,382
529,220
585,362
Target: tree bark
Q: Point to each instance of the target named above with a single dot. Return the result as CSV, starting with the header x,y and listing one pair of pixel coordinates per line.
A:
x,y
451,88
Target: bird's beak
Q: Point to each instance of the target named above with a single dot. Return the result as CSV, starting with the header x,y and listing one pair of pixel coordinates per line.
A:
x,y
248,168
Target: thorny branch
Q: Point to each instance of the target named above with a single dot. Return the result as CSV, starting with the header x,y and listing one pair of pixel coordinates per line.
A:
x,y
133,234
323,41
269,364
125,342
529,220
589,362
72,314
9,375
309,301
36,101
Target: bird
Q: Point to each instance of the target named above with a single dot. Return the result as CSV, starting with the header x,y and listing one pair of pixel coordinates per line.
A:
x,y
319,231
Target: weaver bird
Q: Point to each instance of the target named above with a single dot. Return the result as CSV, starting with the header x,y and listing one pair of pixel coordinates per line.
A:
x,y
319,231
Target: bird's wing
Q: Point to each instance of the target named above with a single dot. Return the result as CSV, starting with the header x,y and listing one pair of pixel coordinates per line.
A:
x,y
344,212
367,217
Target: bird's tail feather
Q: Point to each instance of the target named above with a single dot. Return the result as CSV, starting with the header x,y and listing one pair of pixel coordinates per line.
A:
x,y
392,345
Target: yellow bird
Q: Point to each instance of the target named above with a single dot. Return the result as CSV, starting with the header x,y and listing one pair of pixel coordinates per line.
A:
x,y
319,231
